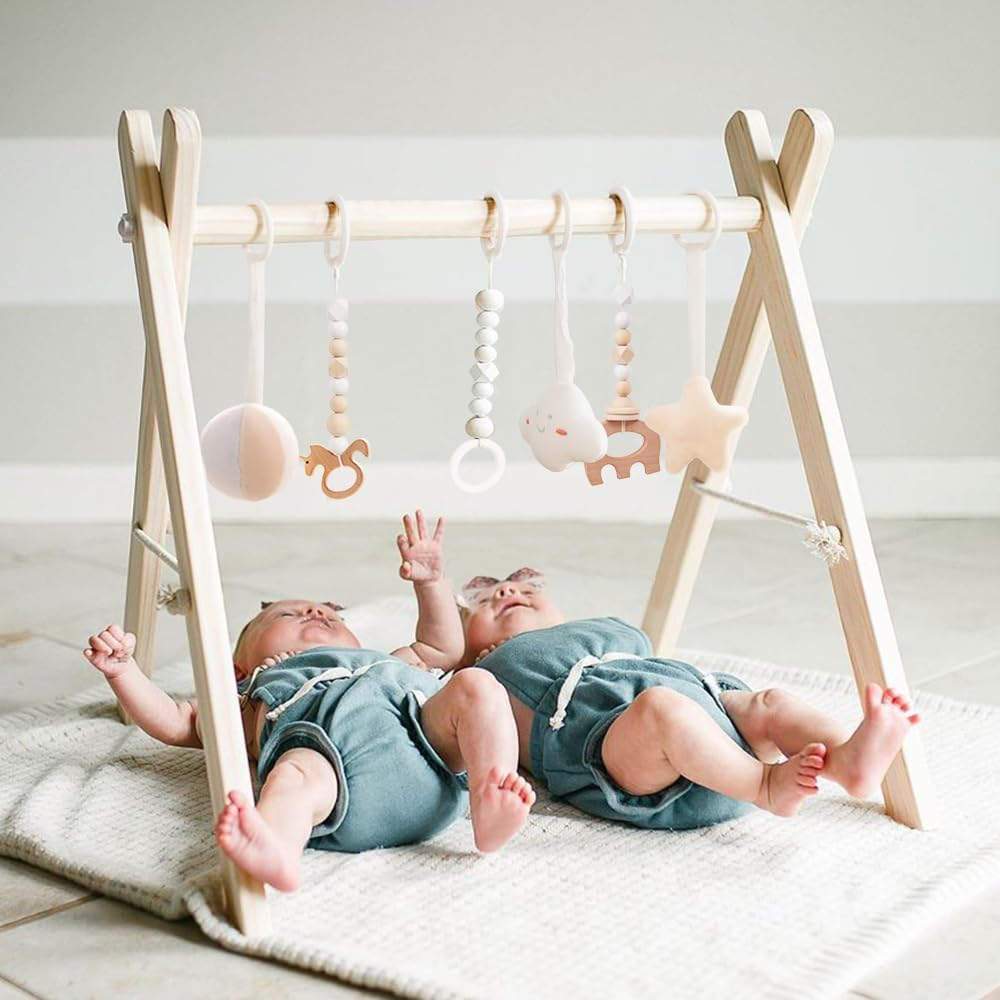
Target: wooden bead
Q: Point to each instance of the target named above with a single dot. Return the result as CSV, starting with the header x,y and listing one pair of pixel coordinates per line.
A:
x,y
623,388
485,353
490,300
338,347
338,368
623,337
479,427
338,310
622,355
488,318
330,366
338,329
338,404
338,424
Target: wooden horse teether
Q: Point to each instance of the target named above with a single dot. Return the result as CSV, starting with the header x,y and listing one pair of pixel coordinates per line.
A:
x,y
340,453
622,416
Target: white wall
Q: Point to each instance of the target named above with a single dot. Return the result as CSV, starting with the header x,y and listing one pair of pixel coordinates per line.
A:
x,y
301,100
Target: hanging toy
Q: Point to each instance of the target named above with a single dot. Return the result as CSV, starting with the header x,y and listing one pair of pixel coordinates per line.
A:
x,y
250,450
340,454
622,417
698,426
479,426
561,427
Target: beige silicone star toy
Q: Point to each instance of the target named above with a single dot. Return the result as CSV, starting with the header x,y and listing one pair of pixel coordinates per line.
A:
x,y
697,427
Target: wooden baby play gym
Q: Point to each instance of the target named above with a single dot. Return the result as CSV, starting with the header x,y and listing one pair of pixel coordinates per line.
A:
x,y
164,223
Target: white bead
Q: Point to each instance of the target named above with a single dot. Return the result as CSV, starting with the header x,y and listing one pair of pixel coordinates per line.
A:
x,y
490,299
338,444
479,427
622,320
338,328
480,407
488,318
338,309
485,354
622,372
487,335
483,389
623,294
486,370
339,386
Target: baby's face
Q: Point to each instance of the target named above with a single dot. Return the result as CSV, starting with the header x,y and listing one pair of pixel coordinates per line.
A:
x,y
505,610
292,625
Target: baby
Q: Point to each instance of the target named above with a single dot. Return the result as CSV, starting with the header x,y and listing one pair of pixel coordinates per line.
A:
x,y
355,748
655,742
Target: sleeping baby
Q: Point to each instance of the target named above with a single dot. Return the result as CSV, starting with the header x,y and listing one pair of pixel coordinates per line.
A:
x,y
355,748
656,742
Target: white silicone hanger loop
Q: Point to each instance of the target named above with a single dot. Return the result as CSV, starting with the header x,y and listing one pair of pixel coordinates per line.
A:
x,y
562,199
345,237
265,214
715,217
493,247
624,196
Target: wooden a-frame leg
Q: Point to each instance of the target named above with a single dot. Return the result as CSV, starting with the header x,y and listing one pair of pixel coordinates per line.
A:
x,y
804,156
857,583
187,490
180,159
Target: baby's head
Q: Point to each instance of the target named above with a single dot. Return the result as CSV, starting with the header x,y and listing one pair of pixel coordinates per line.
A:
x,y
289,625
495,610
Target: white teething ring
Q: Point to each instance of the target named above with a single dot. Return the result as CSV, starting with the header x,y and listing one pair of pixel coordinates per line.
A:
x,y
462,450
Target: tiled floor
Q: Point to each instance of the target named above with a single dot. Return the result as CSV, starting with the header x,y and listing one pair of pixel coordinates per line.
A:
x,y
760,595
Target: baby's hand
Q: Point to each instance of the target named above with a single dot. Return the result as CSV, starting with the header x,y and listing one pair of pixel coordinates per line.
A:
x,y
111,651
422,557
275,658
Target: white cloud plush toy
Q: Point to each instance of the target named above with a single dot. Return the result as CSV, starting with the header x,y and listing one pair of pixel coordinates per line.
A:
x,y
561,428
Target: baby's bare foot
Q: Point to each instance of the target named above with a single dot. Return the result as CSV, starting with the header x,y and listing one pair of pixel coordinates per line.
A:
x,y
499,808
860,764
787,785
250,843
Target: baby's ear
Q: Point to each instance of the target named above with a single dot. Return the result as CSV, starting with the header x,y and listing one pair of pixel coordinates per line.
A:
x,y
264,605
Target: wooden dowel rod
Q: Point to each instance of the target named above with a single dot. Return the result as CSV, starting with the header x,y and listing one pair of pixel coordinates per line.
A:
x,y
234,225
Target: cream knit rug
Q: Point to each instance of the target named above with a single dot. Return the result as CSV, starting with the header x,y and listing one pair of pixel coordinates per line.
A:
x,y
761,907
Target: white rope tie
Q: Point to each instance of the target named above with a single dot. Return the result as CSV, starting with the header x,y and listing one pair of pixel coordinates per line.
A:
x,y
157,549
573,678
822,540
332,674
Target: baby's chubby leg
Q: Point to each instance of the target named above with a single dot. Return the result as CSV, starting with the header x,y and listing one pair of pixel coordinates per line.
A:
x,y
470,724
267,841
664,735
772,720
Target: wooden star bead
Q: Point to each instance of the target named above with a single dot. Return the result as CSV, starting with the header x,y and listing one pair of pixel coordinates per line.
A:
x,y
338,404
623,337
338,424
338,368
623,388
338,347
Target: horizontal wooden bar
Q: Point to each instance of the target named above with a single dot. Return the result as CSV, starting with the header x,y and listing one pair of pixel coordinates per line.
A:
x,y
234,225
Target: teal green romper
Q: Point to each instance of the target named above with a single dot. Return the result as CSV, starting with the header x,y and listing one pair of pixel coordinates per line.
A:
x,y
566,739
360,709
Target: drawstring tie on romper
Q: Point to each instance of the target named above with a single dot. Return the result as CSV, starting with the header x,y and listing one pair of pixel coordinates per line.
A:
x,y
576,672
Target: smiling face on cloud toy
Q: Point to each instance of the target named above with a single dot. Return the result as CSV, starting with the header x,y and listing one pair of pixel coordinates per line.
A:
x,y
561,428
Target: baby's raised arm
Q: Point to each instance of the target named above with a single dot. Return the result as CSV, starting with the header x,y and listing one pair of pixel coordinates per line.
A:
x,y
153,710
439,641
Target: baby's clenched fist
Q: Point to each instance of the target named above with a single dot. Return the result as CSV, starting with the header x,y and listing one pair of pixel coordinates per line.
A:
x,y
111,651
